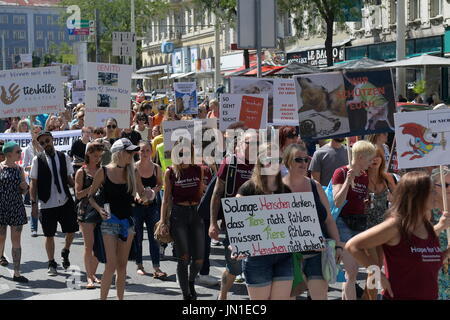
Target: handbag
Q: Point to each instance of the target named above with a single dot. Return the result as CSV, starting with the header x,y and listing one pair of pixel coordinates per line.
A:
x,y
85,211
159,236
356,222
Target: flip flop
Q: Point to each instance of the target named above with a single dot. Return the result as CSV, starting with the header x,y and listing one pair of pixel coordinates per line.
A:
x,y
90,285
141,272
159,275
96,280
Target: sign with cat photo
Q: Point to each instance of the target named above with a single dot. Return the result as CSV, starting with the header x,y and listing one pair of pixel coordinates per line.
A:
x,y
345,104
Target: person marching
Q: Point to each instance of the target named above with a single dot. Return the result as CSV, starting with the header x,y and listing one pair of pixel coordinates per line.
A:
x,y
51,176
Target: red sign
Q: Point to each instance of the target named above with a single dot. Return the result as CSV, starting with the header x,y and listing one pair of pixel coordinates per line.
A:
x,y
81,31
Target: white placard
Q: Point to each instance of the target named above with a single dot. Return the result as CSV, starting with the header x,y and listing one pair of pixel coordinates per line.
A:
x,y
31,91
285,108
230,107
108,94
185,98
273,224
422,138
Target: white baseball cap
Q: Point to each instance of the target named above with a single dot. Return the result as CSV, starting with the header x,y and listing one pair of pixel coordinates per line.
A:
x,y
124,144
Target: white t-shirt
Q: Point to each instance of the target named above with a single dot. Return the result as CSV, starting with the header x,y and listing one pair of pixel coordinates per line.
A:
x,y
56,199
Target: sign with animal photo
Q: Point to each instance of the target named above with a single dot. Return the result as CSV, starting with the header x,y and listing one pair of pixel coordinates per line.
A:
x,y
108,92
186,98
345,104
273,224
31,91
249,108
421,138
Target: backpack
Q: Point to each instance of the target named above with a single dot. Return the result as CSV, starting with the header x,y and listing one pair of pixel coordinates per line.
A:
x,y
204,207
335,211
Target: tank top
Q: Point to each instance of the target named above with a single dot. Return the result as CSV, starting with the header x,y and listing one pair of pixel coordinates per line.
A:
x,y
412,268
149,183
118,197
187,187
87,182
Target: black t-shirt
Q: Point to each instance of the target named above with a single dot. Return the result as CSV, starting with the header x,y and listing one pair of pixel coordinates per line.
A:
x,y
78,151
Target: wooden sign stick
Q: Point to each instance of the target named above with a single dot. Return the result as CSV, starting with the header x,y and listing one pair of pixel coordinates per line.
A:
x,y
349,155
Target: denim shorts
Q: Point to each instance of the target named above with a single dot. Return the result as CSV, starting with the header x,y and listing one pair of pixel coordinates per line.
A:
x,y
233,266
113,229
261,271
312,267
345,233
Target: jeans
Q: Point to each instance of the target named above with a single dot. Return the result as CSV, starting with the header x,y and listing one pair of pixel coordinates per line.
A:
x,y
150,216
261,271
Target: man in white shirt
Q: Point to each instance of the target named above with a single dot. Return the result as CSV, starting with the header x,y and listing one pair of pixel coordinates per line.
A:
x,y
51,177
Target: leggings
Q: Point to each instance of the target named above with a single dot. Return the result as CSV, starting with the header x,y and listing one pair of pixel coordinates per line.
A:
x,y
187,230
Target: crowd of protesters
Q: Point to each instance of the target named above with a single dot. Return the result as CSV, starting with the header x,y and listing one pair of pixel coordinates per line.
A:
x,y
121,180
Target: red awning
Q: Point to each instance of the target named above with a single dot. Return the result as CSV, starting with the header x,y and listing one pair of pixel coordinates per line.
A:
x,y
265,70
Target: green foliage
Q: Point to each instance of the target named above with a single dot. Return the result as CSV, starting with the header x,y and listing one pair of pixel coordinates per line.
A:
x,y
225,10
420,87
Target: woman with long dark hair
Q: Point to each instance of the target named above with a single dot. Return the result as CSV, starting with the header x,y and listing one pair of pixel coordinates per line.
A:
x,y
410,243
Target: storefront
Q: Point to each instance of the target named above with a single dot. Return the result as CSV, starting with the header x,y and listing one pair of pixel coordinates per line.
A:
x,y
316,56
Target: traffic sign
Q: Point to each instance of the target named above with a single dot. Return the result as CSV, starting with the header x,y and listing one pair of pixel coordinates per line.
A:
x,y
82,31
80,23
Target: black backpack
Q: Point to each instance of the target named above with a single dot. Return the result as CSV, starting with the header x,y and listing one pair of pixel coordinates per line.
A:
x,y
204,207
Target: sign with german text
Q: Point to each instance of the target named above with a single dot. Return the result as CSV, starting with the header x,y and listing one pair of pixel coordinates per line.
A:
x,y
108,94
31,91
230,110
422,138
273,224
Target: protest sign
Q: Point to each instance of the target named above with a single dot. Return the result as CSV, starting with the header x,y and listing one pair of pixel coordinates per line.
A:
x,y
78,91
173,130
186,98
31,91
345,104
62,140
272,224
421,138
108,94
231,105
282,102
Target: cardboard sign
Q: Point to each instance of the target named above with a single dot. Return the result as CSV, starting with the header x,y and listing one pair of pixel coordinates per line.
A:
x,y
78,91
31,91
273,224
185,98
108,94
231,106
282,103
345,104
422,138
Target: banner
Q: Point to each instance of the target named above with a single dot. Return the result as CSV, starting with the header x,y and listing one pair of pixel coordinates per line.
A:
x,y
345,104
61,139
250,108
186,98
273,224
31,91
282,103
173,130
108,94
422,138
78,91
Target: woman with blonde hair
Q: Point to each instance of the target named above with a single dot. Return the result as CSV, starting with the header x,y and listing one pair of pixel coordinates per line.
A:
x,y
170,114
350,190
120,187
23,126
379,140
296,160
407,236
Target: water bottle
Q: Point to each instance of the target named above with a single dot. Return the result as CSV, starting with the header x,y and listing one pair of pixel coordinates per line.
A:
x,y
108,211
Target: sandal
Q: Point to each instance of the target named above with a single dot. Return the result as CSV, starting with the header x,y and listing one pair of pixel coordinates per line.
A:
x,y
97,280
159,275
90,285
141,272
3,261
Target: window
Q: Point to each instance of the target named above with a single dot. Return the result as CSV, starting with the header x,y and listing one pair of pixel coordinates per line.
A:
x,y
71,38
40,52
5,34
39,35
19,19
61,36
3,19
435,8
50,20
38,19
393,12
17,50
50,35
414,10
18,35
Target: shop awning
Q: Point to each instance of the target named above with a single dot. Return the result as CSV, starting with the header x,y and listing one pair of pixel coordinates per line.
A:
x,y
266,70
172,76
153,69
184,75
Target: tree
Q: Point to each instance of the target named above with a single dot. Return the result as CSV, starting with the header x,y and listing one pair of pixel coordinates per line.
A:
x,y
308,16
115,15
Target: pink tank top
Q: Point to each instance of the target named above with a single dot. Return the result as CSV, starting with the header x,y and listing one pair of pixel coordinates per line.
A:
x,y
412,267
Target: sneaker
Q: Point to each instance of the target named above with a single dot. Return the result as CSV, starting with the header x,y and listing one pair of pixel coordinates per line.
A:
x,y
34,233
3,261
52,265
239,279
216,243
65,256
207,280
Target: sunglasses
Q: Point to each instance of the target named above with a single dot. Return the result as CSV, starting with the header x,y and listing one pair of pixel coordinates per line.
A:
x,y
300,160
446,185
44,142
111,126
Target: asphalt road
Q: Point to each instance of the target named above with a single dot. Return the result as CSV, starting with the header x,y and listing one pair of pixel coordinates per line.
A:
x,y
70,284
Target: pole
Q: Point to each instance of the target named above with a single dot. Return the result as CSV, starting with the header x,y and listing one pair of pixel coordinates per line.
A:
x,y
258,38
168,76
97,36
217,78
401,30
133,30
3,52
349,155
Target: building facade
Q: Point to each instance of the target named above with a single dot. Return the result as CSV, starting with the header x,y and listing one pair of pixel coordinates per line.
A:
x,y
31,27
